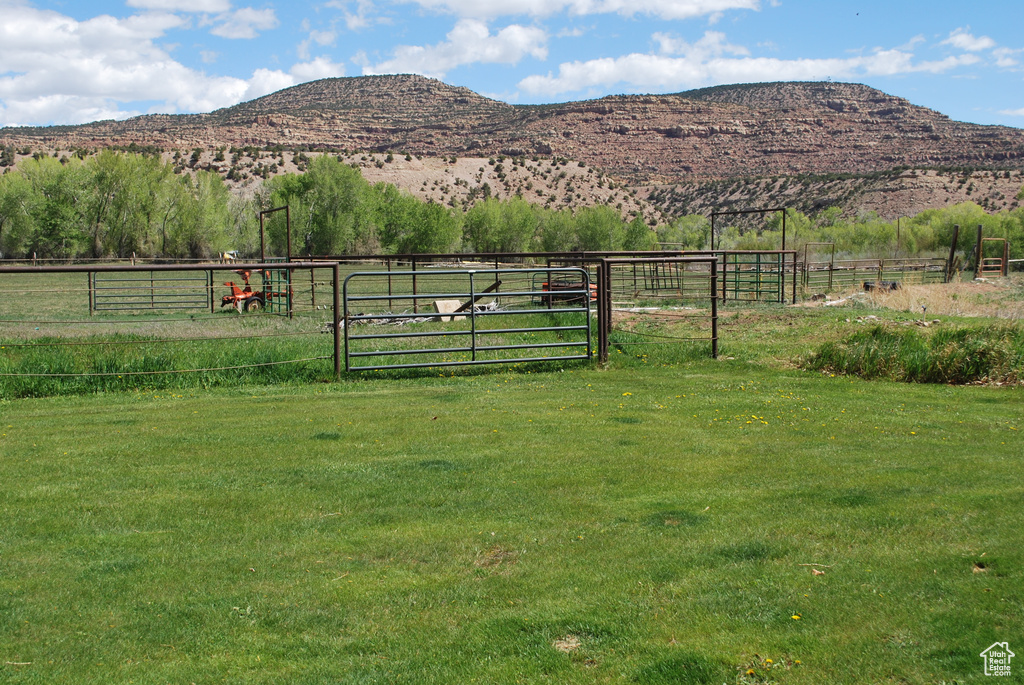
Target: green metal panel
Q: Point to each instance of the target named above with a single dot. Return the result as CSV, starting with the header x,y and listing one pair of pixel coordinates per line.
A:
x,y
277,289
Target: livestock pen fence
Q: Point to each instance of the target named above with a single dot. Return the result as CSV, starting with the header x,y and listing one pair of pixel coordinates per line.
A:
x,y
59,322
52,335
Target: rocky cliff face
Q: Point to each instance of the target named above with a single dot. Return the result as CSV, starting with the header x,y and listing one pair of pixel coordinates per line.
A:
x,y
726,132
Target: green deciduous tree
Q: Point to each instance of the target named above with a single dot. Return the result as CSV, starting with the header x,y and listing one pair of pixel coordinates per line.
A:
x,y
599,228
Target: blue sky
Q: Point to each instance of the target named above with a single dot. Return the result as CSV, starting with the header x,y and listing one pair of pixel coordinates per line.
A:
x,y
66,61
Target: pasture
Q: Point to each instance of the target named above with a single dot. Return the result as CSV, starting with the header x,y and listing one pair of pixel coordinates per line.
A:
x,y
666,519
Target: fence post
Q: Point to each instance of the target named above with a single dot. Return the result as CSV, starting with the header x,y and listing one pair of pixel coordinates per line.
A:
x,y
725,275
952,253
602,312
714,309
977,253
607,306
312,286
794,278
337,321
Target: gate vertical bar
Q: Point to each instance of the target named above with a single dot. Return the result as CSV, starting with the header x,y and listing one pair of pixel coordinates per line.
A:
x,y
472,314
89,276
209,287
337,324
415,302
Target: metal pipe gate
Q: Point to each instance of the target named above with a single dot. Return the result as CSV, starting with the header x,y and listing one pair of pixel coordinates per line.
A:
x,y
374,290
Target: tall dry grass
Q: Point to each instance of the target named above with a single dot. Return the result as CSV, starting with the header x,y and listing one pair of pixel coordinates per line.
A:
x,y
999,298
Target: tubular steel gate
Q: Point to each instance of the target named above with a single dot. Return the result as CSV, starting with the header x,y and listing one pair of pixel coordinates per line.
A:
x,y
492,316
112,292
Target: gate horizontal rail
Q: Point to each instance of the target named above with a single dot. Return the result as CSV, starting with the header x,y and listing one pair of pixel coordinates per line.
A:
x,y
462,285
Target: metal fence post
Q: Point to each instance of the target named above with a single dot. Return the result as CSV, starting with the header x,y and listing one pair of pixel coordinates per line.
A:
x,y
714,309
312,287
602,312
977,253
952,253
794,279
337,321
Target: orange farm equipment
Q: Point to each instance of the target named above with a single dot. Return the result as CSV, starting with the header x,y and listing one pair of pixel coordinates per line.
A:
x,y
244,299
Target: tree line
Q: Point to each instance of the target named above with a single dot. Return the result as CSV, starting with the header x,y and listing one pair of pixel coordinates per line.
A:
x,y
119,204
926,234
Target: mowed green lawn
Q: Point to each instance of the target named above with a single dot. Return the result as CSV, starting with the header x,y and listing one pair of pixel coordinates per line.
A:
x,y
634,525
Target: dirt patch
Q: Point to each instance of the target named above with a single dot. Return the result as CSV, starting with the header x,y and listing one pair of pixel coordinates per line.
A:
x,y
496,557
569,643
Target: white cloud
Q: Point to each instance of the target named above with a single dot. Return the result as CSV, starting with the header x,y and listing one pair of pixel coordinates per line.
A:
x,y
319,68
964,40
469,42
1005,57
321,38
712,44
59,70
245,23
704,63
359,19
182,5
266,81
912,43
1013,112
664,9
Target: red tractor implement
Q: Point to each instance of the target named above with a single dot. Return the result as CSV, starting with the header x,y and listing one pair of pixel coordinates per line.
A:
x,y
244,299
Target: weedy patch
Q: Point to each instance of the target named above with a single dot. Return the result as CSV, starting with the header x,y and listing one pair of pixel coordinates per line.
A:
x,y
952,355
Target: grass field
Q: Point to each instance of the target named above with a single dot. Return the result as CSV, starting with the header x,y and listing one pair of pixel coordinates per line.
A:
x,y
668,519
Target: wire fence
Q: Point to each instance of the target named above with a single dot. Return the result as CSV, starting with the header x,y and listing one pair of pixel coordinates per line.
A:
x,y
54,326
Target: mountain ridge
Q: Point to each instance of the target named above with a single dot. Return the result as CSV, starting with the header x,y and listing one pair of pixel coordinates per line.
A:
x,y
694,138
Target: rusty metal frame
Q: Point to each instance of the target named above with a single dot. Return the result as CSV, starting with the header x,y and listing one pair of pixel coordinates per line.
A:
x,y
604,297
